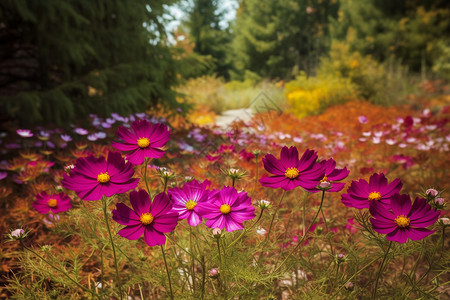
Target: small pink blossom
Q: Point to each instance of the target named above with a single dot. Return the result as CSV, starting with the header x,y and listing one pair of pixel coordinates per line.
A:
x,y
24,133
432,192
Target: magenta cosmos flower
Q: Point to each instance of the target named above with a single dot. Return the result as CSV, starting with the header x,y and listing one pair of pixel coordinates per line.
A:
x,y
227,208
151,219
92,178
290,172
55,203
187,198
361,193
143,140
332,174
405,220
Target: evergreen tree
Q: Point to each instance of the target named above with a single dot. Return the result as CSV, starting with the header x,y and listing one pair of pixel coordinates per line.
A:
x,y
410,30
275,37
61,60
208,36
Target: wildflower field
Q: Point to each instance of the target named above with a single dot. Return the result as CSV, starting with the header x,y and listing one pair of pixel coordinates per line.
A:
x,y
346,204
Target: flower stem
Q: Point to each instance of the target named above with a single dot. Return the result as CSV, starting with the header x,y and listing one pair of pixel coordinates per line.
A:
x,y
112,245
374,292
192,260
274,215
246,230
59,270
145,177
168,274
304,236
256,176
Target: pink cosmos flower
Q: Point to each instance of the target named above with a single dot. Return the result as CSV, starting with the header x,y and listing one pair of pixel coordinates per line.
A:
x,y
55,203
405,220
332,174
290,172
227,208
92,178
187,198
151,219
143,140
24,133
361,193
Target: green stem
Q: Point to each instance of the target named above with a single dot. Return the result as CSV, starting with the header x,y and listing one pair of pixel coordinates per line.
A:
x,y
59,270
145,177
168,274
374,292
304,236
233,181
246,230
192,260
256,176
354,275
166,181
104,201
203,276
274,215
326,227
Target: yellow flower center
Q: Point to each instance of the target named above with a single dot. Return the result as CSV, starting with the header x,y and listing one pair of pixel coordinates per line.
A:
x,y
103,177
324,179
402,221
374,196
225,209
146,218
52,202
143,142
191,204
291,173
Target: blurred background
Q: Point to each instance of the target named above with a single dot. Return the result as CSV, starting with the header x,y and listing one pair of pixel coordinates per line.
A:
x,y
63,60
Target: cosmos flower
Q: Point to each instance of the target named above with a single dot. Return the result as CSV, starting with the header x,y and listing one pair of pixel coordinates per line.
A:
x,y
81,131
24,133
143,140
55,203
290,172
92,178
361,193
332,174
405,220
151,219
227,208
187,198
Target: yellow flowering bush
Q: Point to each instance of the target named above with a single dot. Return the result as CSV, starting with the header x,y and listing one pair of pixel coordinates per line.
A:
x,y
312,95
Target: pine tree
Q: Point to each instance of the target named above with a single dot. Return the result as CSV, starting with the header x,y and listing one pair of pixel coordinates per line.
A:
x,y
207,34
61,60
275,37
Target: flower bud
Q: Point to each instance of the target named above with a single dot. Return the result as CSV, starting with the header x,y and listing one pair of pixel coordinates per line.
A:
x,y
439,201
263,204
431,192
444,221
213,273
349,286
216,232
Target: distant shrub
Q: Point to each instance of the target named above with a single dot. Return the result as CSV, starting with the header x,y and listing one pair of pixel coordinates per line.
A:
x,y
312,95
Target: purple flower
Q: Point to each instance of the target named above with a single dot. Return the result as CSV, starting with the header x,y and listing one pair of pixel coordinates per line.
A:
x,y
55,203
405,220
290,172
187,198
3,175
24,132
361,193
143,140
151,219
94,177
81,131
227,208
362,119
328,182
66,137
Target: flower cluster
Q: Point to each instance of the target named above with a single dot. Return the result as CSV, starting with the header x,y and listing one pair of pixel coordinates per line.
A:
x,y
290,172
392,213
